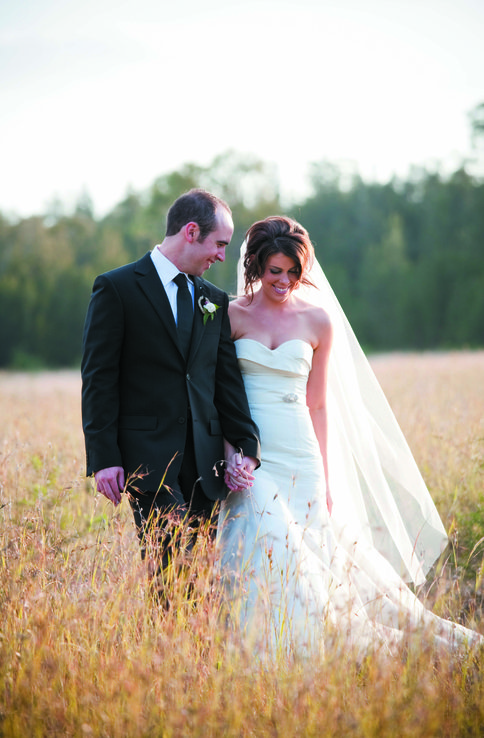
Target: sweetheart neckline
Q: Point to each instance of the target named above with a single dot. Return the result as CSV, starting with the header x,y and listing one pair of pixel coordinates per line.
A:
x,y
259,343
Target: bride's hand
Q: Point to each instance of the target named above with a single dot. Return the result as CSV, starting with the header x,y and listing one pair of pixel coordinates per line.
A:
x,y
238,474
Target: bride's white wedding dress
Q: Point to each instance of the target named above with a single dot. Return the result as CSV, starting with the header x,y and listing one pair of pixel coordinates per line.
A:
x,y
297,575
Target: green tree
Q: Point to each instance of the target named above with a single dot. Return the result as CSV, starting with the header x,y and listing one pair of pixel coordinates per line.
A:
x,y
384,275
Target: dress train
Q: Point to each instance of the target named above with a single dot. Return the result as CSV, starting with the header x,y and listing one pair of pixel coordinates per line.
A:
x,y
296,575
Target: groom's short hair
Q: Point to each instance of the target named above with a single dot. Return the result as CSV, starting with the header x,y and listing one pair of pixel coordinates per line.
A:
x,y
198,206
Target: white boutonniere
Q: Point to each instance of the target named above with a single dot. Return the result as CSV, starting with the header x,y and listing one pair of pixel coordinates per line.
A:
x,y
208,308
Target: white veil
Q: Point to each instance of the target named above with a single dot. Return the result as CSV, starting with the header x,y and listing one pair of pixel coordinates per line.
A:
x,y
378,492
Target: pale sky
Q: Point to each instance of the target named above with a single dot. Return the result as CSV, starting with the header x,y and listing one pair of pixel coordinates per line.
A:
x,y
103,95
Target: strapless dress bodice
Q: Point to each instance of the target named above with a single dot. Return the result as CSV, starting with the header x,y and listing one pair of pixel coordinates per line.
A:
x,y
275,375
275,382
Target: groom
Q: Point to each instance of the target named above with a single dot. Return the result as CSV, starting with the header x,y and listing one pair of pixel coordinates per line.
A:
x,y
161,386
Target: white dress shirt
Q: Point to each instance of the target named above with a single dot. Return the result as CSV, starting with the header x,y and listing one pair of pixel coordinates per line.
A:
x,y
167,272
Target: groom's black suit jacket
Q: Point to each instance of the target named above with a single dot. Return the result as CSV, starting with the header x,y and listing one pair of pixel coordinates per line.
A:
x,y
139,395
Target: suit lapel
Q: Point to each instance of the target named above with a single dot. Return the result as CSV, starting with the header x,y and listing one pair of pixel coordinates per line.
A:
x,y
152,287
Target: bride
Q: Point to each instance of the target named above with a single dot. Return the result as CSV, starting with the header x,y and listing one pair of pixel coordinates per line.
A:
x,y
318,543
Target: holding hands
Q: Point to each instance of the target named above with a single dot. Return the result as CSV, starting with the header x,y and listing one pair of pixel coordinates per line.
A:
x,y
238,469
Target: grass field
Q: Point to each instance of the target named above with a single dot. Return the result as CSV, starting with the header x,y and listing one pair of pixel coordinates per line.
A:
x,y
84,651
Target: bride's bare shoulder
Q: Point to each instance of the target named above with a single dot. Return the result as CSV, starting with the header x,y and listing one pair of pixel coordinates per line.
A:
x,y
239,305
317,322
314,313
239,314
324,327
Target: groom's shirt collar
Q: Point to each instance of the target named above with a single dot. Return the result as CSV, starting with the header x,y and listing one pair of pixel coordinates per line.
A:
x,y
167,271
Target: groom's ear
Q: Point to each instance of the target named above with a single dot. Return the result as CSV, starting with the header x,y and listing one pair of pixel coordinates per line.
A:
x,y
191,232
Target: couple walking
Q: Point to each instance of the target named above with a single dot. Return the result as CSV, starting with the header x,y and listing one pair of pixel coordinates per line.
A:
x,y
324,513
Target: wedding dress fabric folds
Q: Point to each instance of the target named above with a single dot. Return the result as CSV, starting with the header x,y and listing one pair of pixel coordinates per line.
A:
x,y
289,566
294,571
376,485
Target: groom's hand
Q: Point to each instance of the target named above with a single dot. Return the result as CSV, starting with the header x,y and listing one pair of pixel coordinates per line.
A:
x,y
238,474
249,464
110,483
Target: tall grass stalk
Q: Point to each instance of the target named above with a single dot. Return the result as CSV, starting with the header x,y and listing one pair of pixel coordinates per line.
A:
x,y
86,650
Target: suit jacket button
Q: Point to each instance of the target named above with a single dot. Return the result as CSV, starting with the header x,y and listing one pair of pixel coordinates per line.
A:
x,y
188,377
181,420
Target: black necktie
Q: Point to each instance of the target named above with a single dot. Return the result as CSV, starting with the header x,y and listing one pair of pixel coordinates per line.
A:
x,y
184,309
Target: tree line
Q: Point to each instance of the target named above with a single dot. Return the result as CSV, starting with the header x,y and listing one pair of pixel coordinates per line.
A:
x,y
405,258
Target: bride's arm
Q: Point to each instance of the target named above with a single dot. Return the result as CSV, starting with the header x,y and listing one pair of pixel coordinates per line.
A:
x,y
316,396
238,468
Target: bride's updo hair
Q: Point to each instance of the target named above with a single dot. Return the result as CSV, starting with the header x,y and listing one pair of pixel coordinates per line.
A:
x,y
276,235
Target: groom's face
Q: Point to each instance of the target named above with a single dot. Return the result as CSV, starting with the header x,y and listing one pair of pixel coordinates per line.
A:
x,y
205,253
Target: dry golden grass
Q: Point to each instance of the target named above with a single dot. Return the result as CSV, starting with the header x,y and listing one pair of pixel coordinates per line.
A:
x,y
439,401
84,651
